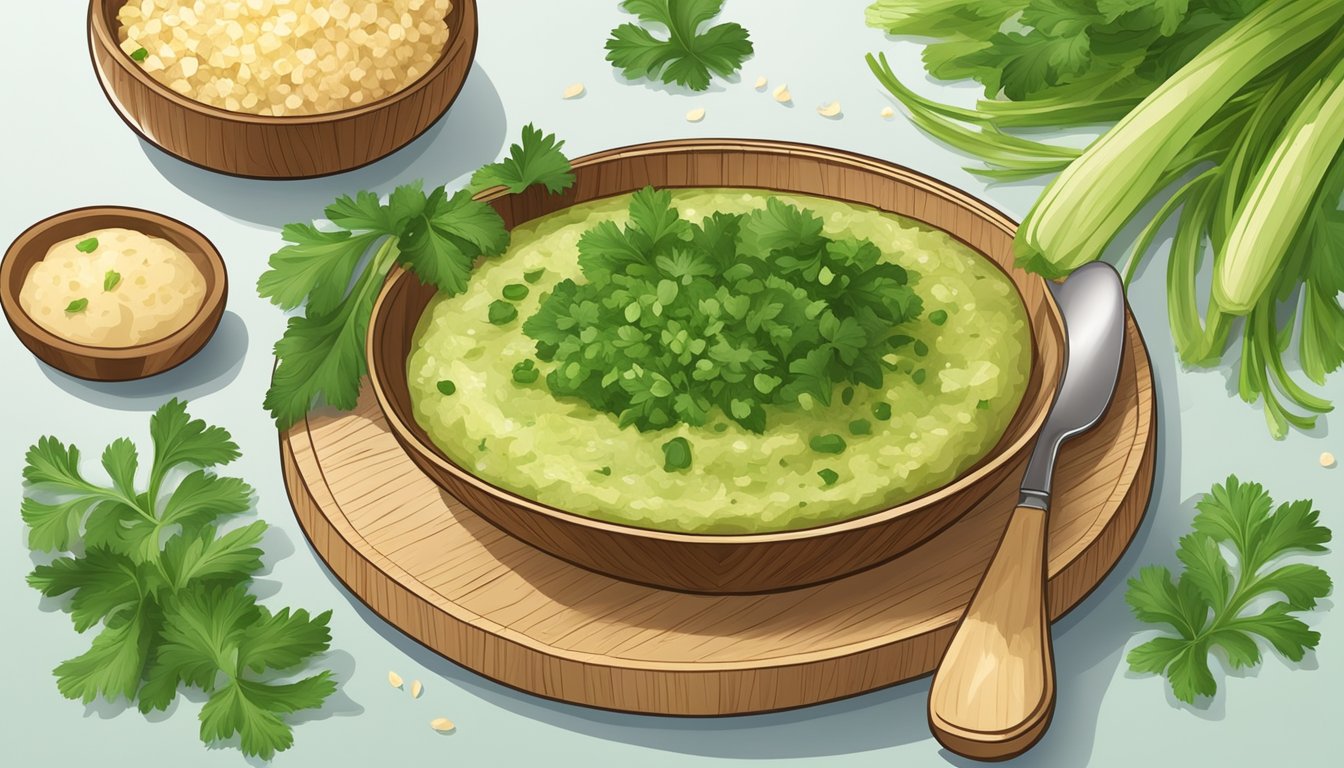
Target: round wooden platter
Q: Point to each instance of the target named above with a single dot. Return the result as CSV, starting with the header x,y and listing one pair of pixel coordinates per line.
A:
x,y
441,574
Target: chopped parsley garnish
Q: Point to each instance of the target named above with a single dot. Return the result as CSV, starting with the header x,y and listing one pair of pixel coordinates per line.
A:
x,y
515,292
882,411
336,273
676,455
534,276
678,319
526,372
827,444
828,476
87,246
982,405
938,316
76,306
847,395
605,471
1223,603
111,280
447,388
688,56
139,54
919,376
501,313
921,348
860,427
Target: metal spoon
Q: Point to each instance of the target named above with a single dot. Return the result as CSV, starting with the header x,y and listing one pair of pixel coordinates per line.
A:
x,y
994,692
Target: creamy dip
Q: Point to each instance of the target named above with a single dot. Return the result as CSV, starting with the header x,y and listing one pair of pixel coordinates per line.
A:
x,y
566,454
113,288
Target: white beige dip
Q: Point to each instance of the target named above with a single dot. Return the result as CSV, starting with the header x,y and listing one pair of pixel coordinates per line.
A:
x,y
113,288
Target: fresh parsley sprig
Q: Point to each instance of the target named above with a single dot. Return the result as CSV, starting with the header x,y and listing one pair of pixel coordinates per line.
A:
x,y
688,55
1210,604
168,586
677,319
336,273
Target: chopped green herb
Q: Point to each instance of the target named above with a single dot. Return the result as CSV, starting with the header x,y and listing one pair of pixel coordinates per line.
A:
x,y
76,306
882,411
828,476
481,445
515,292
689,55
676,455
526,372
938,316
534,276
139,54
537,159
847,395
860,427
604,471
898,341
447,388
502,313
921,348
1220,603
111,280
87,246
831,443
679,319
983,405
919,376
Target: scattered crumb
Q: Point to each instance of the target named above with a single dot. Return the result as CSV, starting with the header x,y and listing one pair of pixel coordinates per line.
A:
x,y
574,91
695,115
830,110
394,680
783,95
416,689
442,725
1327,459
761,83
887,113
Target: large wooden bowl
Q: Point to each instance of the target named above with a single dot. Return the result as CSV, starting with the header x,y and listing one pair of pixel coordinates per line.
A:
x,y
296,147
107,363
733,563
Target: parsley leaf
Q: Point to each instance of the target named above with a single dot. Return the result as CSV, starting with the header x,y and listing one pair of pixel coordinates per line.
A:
x,y
1209,604
688,56
167,586
335,274
537,160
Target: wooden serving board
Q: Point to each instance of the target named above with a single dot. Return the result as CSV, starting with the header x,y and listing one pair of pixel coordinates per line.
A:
x,y
441,574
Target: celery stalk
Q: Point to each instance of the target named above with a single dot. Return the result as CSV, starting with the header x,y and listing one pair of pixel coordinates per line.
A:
x,y
1083,209
1281,197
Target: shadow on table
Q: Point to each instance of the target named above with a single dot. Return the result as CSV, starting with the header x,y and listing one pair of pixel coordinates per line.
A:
x,y
212,369
470,135
1089,647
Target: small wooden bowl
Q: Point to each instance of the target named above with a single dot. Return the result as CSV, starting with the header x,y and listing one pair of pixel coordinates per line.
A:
x,y
298,147
734,563
108,363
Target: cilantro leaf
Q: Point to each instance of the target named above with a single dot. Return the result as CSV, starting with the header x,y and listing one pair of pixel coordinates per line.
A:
x,y
316,266
113,665
107,585
252,710
180,439
688,56
206,556
1207,605
442,243
536,160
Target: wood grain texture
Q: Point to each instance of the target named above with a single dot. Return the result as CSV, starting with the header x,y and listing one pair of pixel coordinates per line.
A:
x,y
295,147
103,363
737,564
994,692
443,575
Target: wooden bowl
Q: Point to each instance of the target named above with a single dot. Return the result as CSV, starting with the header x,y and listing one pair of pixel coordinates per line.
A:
x,y
107,363
734,563
297,147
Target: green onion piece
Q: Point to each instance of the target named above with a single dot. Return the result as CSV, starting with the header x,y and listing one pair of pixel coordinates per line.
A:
x,y
828,476
860,427
938,316
526,372
139,54
502,313
515,292
831,443
447,387
111,280
87,246
534,276
78,305
882,411
676,455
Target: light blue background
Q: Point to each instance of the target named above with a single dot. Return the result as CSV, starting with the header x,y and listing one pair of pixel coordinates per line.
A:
x,y
63,147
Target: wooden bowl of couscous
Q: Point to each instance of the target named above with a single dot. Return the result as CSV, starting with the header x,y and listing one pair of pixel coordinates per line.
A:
x,y
282,89
113,294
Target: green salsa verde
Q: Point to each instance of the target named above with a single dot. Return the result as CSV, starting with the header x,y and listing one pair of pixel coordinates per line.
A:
x,y
947,402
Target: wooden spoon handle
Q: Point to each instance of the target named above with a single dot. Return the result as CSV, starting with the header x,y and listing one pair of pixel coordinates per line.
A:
x,y
994,693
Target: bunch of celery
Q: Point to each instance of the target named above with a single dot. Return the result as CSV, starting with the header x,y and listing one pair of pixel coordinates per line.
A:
x,y
1229,119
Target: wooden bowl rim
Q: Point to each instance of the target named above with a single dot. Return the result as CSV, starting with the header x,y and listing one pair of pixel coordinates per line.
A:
x,y
216,277
986,466
103,34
